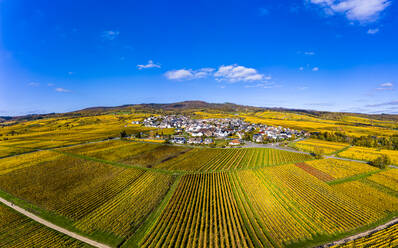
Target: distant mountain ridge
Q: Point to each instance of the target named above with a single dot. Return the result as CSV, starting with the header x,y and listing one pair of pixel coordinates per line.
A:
x,y
187,106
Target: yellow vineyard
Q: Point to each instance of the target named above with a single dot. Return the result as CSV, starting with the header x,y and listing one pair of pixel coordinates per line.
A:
x,y
339,168
327,147
369,154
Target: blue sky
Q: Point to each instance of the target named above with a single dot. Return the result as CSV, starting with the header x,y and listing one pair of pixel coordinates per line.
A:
x,y
337,55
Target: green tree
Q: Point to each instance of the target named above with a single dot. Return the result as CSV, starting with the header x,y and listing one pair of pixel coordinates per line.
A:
x,y
318,153
123,134
381,162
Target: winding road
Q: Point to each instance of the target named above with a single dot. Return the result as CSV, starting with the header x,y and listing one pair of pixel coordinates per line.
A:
x,y
53,226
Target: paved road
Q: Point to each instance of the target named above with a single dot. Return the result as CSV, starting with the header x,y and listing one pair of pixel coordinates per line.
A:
x,y
360,235
346,159
52,226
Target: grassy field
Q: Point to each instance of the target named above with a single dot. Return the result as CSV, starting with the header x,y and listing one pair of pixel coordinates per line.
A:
x,y
20,231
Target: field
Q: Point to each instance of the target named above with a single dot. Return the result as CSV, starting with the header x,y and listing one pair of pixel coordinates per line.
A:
x,y
20,231
315,172
201,212
6,151
202,159
369,154
276,206
387,178
387,237
26,160
96,197
131,153
58,132
329,209
122,214
366,195
326,147
349,125
340,168
258,198
129,193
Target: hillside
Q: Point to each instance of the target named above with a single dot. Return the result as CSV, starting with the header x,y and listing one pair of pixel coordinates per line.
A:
x,y
192,106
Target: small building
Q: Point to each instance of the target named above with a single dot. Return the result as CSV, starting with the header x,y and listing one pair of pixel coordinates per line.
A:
x,y
258,138
198,134
208,141
208,133
196,141
234,142
178,140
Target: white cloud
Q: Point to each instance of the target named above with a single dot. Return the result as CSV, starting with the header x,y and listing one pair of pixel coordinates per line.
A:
x,y
179,74
236,73
309,53
301,68
354,10
202,73
184,74
50,85
228,73
386,86
149,65
373,30
265,85
315,69
62,90
34,84
110,34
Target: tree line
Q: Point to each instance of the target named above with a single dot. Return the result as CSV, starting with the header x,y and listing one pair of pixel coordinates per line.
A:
x,y
390,142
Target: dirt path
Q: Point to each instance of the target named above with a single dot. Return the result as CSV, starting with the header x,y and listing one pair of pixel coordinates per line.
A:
x,y
360,235
52,226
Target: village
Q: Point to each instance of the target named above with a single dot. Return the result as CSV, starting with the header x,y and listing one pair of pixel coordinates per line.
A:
x,y
233,131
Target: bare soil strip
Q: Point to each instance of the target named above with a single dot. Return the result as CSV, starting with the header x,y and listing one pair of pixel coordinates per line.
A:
x,y
315,172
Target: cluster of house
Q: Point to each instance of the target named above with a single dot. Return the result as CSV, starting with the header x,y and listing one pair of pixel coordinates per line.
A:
x,y
195,141
202,131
